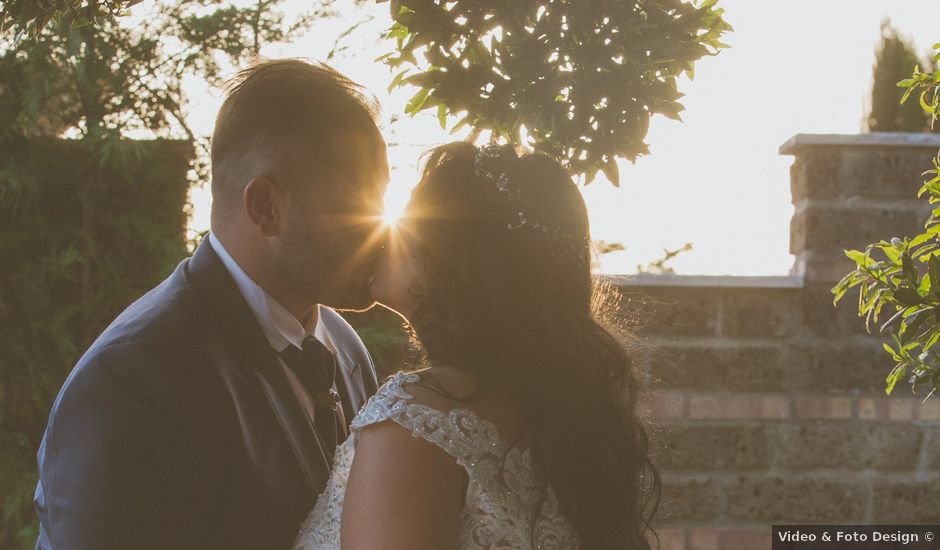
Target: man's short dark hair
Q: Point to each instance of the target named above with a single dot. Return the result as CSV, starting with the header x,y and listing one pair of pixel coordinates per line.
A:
x,y
287,119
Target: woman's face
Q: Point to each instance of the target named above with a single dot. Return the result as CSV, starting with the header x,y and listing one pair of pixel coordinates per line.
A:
x,y
397,273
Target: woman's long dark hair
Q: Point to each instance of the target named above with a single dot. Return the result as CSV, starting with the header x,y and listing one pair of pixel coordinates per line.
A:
x,y
514,306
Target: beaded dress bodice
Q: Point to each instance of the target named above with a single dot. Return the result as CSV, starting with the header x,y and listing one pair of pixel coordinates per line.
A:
x,y
506,506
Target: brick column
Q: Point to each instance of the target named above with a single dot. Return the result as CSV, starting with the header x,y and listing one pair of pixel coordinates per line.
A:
x,y
852,190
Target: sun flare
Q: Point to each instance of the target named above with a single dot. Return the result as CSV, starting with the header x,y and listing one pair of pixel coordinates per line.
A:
x,y
390,216
396,198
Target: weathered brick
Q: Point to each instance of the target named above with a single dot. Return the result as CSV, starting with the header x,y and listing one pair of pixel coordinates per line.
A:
x,y
704,368
932,444
822,319
908,501
814,174
662,406
901,408
716,538
847,364
894,407
689,499
778,500
714,407
844,445
870,172
672,311
878,173
873,407
816,365
822,268
930,410
669,539
745,539
829,230
704,539
704,447
760,312
807,407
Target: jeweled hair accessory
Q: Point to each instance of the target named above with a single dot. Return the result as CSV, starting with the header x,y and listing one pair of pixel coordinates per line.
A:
x,y
486,164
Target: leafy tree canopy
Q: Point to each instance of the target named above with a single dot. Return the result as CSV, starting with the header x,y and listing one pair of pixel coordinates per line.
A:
x,y
576,80
33,15
114,77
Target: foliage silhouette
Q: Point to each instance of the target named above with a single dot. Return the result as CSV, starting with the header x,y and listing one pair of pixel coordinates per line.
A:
x,y
904,273
576,80
894,61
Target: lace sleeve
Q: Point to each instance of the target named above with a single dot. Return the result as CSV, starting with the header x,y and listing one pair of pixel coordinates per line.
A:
x,y
459,432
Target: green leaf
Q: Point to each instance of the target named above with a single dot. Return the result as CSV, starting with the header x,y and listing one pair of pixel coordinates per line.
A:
x,y
859,257
442,115
893,318
933,271
914,321
890,350
919,240
928,108
907,296
612,171
893,254
932,341
840,289
892,379
910,271
397,80
417,101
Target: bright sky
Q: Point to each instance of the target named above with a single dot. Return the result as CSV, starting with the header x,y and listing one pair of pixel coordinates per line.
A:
x,y
715,180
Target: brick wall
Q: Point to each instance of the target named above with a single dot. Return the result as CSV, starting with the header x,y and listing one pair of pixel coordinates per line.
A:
x,y
768,403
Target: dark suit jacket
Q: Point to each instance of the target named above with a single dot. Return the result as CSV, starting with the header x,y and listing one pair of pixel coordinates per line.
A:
x,y
177,429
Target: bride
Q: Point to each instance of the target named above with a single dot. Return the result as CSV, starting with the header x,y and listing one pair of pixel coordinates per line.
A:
x,y
521,429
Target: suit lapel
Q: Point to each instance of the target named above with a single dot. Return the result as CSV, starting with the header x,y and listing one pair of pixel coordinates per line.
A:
x,y
301,435
352,396
249,366
350,384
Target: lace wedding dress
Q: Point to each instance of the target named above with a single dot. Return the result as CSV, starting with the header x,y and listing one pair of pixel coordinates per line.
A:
x,y
503,498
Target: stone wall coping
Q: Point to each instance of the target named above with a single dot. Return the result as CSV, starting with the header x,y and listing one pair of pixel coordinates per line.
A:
x,y
721,281
879,139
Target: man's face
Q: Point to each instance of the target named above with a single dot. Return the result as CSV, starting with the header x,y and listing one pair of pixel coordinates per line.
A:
x,y
334,231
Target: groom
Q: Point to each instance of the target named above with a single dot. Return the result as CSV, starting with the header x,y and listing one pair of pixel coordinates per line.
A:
x,y
206,416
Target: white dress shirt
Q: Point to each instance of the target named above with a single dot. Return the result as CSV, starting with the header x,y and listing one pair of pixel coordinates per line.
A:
x,y
280,326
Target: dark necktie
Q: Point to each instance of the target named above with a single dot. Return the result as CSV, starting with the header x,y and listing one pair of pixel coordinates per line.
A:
x,y
316,368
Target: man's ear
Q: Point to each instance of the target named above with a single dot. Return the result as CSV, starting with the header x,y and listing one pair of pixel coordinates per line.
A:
x,y
260,201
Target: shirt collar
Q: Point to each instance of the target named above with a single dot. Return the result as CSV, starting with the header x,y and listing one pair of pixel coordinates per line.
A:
x,y
280,326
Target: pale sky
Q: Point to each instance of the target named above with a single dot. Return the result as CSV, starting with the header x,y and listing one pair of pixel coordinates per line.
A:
x,y
716,179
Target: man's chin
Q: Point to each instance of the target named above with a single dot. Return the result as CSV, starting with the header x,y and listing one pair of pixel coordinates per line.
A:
x,y
357,308
359,301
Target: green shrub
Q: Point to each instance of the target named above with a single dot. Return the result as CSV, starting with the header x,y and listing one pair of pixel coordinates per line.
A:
x,y
904,273
84,231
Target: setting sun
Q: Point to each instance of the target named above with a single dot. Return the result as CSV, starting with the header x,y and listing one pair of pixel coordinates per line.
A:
x,y
396,197
390,217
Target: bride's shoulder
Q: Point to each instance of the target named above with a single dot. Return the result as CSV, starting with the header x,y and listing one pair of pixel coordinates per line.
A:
x,y
442,395
439,388
400,390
